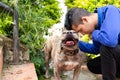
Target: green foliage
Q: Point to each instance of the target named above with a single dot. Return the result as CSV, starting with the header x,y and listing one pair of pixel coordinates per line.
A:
x,y
85,38
35,17
38,60
90,5
69,3
92,56
36,20
5,24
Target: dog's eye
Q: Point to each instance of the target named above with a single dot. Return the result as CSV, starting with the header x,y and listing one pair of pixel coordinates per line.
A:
x,y
74,32
64,32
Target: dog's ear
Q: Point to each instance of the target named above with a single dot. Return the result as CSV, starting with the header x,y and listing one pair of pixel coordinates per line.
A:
x,y
63,29
61,48
76,51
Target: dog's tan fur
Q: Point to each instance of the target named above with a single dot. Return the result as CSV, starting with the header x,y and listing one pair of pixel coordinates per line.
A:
x,y
63,56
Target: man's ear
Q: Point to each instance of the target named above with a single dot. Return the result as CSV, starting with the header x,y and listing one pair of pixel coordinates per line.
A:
x,y
85,19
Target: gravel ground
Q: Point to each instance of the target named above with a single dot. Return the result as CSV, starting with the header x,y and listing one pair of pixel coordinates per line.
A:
x,y
85,74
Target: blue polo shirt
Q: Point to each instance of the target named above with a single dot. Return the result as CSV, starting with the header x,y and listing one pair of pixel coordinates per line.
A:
x,y
107,32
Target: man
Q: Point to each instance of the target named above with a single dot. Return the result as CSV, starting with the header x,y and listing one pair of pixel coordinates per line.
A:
x,y
103,26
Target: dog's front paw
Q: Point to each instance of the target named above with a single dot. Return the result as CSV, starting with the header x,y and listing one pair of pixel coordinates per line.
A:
x,y
54,78
47,76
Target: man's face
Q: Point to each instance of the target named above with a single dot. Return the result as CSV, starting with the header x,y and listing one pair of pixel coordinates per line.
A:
x,y
85,28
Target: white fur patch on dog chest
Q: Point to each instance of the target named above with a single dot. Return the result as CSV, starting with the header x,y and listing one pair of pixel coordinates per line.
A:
x,y
69,65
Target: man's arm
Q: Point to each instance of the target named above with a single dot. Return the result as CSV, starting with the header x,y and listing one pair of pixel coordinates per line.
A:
x,y
89,47
110,28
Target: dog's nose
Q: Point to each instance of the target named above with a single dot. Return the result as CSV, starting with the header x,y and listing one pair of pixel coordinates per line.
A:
x,y
69,33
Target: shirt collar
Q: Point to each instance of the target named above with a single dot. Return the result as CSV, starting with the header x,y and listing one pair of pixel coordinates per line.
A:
x,y
98,10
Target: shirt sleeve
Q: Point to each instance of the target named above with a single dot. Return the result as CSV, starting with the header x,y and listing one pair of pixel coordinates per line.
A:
x,y
89,47
110,28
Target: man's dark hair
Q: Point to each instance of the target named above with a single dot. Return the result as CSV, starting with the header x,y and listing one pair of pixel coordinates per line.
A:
x,y
74,16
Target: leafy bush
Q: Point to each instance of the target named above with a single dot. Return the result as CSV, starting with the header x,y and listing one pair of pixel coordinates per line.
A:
x,y
90,5
6,24
35,17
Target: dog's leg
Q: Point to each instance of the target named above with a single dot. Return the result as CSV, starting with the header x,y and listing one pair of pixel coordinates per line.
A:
x,y
47,58
76,72
56,73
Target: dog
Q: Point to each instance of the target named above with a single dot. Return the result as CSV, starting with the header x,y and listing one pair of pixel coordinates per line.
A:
x,y
65,54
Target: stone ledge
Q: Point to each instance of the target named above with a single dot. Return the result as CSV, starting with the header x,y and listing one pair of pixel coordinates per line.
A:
x,y
1,60
19,72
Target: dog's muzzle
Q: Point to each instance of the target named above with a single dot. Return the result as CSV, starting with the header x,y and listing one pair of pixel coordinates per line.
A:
x,y
70,43
70,40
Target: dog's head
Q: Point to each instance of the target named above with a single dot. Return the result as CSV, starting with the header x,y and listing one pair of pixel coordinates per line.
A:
x,y
69,40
